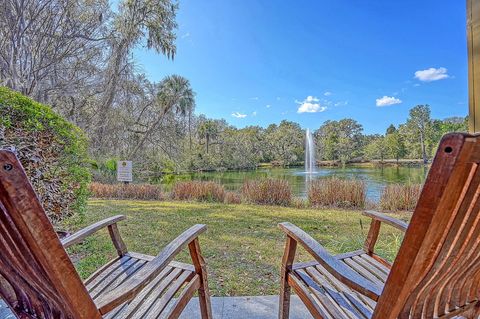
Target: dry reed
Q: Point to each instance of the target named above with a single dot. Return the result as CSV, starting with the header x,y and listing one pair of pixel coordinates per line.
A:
x,y
199,191
335,192
267,192
398,197
233,198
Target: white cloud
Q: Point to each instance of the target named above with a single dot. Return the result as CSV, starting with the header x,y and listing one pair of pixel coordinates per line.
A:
x,y
239,115
327,93
432,74
254,113
278,98
341,103
254,98
268,106
310,105
186,35
388,100
416,84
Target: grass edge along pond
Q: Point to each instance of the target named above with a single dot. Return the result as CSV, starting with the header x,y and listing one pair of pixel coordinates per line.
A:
x,y
242,246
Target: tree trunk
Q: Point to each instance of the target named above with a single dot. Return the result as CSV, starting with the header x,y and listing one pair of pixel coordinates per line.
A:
x,y
190,129
424,153
110,90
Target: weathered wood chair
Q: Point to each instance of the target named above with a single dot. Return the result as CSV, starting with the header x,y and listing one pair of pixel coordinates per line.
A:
x,y
38,280
436,273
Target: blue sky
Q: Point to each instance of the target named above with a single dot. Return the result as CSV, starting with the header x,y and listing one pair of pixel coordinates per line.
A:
x,y
259,62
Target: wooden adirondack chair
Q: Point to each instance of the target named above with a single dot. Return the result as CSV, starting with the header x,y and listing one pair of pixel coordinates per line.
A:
x,y
38,280
437,270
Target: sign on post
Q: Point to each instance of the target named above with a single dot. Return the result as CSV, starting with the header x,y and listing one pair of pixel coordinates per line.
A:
x,y
124,171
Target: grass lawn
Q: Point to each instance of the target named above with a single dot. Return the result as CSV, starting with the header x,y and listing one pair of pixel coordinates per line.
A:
x,y
243,246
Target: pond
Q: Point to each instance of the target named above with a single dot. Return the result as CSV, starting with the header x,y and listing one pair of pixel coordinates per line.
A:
x,y
375,178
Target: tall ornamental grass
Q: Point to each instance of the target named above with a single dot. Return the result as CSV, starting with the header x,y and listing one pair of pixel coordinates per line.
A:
x,y
398,197
267,192
233,198
127,191
199,191
335,192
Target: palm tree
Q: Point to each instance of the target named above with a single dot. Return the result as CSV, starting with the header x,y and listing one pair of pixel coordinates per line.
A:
x,y
174,95
208,131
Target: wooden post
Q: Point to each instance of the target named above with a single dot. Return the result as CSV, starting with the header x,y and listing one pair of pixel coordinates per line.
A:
x,y
285,290
117,240
372,236
201,270
473,41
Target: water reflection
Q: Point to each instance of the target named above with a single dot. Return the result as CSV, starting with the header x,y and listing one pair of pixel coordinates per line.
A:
x,y
375,177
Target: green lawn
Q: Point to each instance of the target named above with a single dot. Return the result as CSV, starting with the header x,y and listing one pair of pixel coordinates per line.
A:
x,y
242,246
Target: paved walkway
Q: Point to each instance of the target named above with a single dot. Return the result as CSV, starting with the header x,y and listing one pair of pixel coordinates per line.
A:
x,y
259,307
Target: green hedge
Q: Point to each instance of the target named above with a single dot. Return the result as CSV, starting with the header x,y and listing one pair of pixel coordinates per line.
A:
x,y
52,151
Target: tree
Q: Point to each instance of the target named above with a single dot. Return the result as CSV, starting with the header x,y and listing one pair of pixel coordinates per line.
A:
x,y
286,142
376,149
327,139
175,94
340,140
419,126
208,131
49,47
391,129
394,145
136,20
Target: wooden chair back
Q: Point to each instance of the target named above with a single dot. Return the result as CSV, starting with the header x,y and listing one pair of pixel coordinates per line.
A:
x,y
437,271
37,278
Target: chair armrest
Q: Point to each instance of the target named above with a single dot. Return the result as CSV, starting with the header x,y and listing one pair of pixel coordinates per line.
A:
x,y
132,286
342,272
386,219
89,230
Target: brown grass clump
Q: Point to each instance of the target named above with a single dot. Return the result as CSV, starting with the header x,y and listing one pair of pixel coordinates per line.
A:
x,y
335,192
127,191
267,192
199,191
398,197
233,198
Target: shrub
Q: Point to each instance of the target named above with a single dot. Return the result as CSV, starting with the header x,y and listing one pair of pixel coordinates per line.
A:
x,y
397,197
335,192
199,191
267,192
233,198
127,191
52,151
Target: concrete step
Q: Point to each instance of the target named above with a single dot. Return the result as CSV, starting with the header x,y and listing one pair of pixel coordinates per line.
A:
x,y
255,307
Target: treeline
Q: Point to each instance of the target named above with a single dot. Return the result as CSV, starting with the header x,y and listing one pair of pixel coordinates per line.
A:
x,y
417,138
197,143
207,144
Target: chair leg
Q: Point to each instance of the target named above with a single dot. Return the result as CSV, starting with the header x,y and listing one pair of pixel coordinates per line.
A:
x,y
285,289
201,270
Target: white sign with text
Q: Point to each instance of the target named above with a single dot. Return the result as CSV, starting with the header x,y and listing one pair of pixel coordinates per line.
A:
x,y
124,171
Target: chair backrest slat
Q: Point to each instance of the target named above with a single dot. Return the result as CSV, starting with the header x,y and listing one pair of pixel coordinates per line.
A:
x,y
37,278
437,269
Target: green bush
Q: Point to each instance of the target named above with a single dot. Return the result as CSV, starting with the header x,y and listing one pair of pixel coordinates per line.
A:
x,y
52,151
